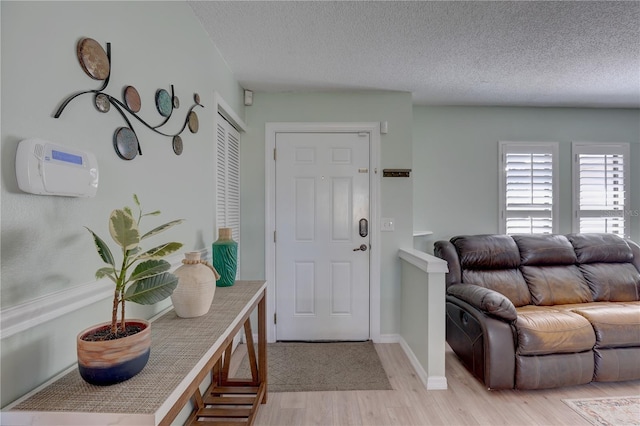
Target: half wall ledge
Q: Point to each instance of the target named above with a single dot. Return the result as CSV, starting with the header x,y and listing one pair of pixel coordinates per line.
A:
x,y
422,330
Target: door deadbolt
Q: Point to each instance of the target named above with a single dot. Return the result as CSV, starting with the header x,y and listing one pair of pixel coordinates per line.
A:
x,y
363,227
363,247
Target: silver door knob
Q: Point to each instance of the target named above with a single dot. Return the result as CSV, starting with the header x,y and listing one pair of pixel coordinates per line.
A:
x,y
363,247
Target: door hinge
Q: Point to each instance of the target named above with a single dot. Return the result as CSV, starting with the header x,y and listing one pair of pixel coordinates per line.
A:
x,y
274,154
275,318
274,236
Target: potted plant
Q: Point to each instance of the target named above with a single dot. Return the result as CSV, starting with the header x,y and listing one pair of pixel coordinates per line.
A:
x,y
115,351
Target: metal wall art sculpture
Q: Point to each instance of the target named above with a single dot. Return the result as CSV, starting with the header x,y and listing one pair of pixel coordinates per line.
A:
x,y
96,63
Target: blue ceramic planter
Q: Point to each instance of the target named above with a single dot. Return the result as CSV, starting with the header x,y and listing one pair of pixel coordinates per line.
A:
x,y
113,361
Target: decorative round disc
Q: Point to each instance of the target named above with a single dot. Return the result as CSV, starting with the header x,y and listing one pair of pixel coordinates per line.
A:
x,y
177,144
193,122
176,102
164,102
93,59
102,102
132,98
196,98
125,143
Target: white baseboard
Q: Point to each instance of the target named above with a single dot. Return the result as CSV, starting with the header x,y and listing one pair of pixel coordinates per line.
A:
x,y
389,338
430,383
437,383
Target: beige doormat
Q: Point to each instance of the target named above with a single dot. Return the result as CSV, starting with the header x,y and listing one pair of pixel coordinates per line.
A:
x,y
618,411
305,367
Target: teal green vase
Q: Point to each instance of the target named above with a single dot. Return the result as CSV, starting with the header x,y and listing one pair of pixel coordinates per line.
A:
x,y
225,257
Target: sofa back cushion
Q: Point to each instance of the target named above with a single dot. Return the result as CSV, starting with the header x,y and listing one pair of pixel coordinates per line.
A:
x,y
606,248
544,250
612,282
487,252
548,264
508,282
556,285
607,263
492,261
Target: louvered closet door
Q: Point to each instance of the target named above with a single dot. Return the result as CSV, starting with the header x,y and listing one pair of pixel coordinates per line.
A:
x,y
228,178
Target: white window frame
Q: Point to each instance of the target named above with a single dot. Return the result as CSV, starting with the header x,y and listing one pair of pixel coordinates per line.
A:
x,y
601,148
506,147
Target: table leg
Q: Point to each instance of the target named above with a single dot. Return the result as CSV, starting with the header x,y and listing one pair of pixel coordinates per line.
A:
x,y
262,345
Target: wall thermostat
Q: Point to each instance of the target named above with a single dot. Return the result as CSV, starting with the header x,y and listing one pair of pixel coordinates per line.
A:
x,y
46,168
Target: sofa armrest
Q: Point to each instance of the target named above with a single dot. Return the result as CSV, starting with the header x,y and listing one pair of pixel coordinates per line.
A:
x,y
447,251
484,299
635,249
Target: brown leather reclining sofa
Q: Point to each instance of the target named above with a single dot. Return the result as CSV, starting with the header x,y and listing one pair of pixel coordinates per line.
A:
x,y
544,311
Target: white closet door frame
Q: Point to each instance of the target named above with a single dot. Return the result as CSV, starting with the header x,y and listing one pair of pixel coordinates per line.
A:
x,y
271,129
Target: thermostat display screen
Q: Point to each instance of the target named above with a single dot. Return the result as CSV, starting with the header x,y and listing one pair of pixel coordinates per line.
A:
x,y
66,157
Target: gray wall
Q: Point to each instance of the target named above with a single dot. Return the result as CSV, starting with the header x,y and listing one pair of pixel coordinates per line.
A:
x,y
455,159
395,193
44,245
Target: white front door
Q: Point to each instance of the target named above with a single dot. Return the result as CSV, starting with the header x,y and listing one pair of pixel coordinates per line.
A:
x,y
322,241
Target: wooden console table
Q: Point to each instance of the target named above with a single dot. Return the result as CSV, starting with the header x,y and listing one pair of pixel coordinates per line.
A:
x,y
184,351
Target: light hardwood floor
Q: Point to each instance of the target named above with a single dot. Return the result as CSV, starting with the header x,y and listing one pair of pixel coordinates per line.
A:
x,y
465,402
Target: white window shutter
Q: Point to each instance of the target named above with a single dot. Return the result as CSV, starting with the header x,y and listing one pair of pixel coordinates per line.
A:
x,y
527,188
600,186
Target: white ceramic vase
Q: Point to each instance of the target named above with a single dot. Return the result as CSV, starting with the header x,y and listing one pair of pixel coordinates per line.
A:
x,y
196,287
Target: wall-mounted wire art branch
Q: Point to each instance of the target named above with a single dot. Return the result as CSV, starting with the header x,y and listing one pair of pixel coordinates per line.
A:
x,y
96,63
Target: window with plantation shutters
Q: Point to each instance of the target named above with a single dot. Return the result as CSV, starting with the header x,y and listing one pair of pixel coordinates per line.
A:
x,y
228,177
600,187
528,187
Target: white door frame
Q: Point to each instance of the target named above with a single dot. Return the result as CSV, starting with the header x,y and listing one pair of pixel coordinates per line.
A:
x,y
271,129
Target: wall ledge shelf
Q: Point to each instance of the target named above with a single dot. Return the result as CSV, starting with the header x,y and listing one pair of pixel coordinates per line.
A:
x,y
422,233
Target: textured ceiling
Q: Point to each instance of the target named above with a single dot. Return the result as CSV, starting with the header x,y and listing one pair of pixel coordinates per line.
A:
x,y
515,53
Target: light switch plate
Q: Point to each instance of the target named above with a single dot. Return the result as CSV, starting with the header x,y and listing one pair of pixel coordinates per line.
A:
x,y
388,224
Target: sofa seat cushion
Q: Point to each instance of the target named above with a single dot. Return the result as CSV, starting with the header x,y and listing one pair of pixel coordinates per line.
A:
x,y
614,326
549,331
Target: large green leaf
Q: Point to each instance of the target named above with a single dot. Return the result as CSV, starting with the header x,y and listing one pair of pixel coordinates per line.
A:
x,y
161,228
107,271
102,249
149,268
160,251
124,229
152,290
